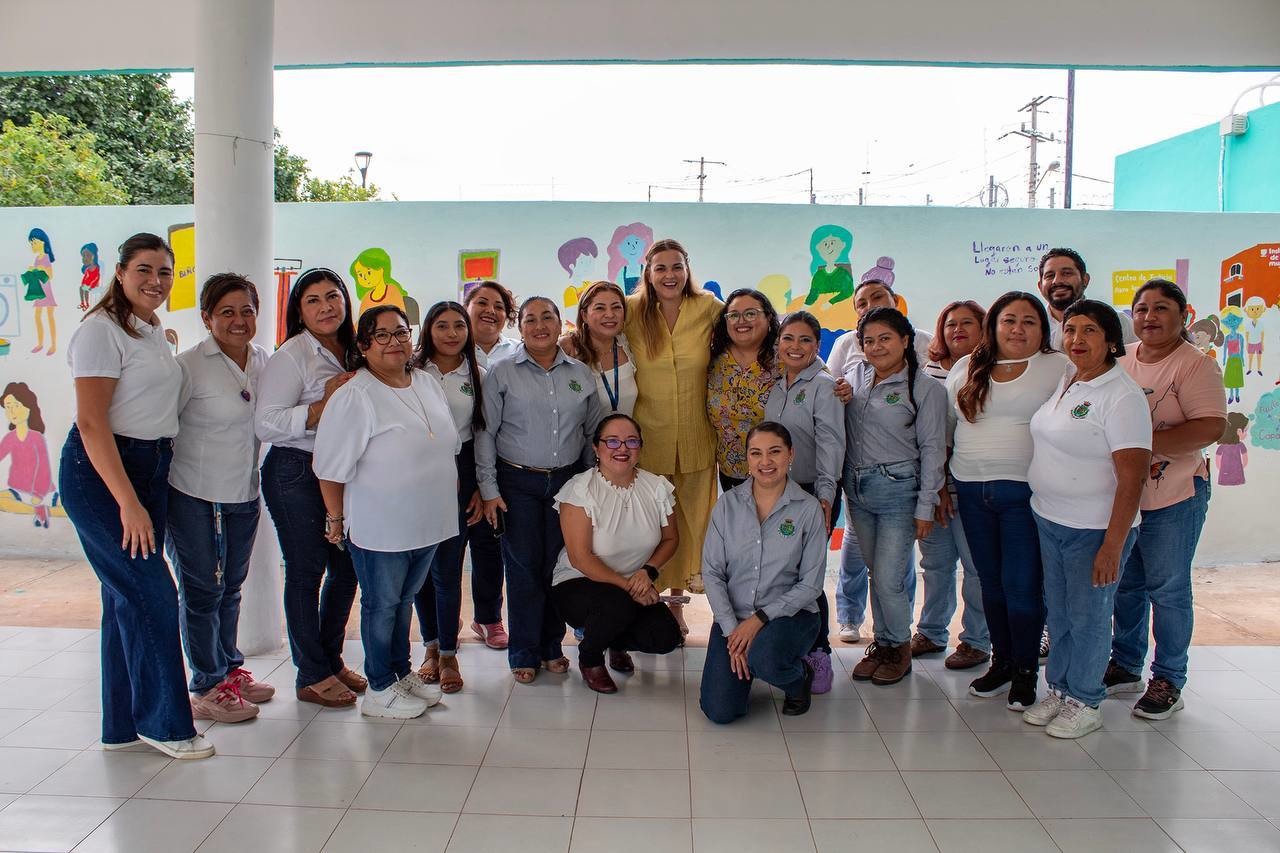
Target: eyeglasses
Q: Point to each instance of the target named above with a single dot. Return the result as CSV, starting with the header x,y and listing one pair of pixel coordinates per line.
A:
x,y
749,315
615,443
383,337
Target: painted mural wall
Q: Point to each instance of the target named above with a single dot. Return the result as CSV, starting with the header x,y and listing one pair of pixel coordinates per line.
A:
x,y
55,261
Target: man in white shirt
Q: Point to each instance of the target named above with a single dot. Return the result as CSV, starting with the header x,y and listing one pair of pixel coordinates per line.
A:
x,y
1063,281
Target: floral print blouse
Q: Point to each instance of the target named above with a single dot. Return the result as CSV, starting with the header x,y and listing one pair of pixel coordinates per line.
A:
x,y
735,403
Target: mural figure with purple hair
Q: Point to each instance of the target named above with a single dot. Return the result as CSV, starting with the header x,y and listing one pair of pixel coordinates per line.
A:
x,y
578,259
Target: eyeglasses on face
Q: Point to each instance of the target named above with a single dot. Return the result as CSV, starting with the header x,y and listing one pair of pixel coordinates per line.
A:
x,y
615,443
749,315
384,336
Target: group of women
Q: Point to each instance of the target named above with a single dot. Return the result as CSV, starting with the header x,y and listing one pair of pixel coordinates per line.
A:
x,y
668,442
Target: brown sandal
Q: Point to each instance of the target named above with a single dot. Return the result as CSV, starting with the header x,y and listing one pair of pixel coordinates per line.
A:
x,y
559,665
430,669
449,675
524,674
354,681
329,693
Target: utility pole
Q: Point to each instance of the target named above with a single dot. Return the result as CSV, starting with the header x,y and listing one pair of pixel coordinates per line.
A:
x,y
860,195
702,171
1034,137
991,191
1052,190
1069,157
813,199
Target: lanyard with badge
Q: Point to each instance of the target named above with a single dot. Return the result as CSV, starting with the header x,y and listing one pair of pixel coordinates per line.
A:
x,y
614,393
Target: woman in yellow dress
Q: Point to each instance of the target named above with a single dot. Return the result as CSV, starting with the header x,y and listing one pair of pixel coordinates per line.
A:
x,y
669,321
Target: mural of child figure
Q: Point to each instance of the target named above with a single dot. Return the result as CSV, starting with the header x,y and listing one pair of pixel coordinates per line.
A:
x,y
1207,335
30,477
1233,454
371,271
626,251
578,259
1233,349
90,274
829,265
39,281
1255,333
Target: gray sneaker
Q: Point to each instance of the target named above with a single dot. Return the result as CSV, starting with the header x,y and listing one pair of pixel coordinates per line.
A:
x,y
1043,712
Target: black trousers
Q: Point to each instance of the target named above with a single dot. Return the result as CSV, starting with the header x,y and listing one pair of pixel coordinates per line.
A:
x,y
611,619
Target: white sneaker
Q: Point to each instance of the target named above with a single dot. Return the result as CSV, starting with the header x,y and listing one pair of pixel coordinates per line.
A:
x,y
415,685
850,632
1076,719
190,749
1043,712
114,746
396,702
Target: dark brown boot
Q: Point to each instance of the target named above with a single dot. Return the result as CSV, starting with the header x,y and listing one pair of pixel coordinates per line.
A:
x,y
620,661
895,664
597,678
869,664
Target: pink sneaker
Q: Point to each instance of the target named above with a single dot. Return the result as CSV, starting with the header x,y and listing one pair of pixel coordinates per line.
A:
x,y
822,674
494,635
223,704
256,692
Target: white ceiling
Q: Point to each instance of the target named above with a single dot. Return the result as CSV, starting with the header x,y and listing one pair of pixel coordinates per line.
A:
x,y
84,35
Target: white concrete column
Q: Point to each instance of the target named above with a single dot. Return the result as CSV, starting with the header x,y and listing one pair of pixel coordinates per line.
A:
x,y
235,192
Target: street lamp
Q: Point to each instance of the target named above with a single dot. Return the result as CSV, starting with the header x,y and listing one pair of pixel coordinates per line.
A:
x,y
1052,167
362,163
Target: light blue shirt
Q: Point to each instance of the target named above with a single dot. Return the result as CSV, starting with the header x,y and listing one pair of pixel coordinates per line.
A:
x,y
813,414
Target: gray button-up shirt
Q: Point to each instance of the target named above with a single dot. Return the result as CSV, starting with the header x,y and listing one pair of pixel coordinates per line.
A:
x,y
775,566
536,417
815,418
876,424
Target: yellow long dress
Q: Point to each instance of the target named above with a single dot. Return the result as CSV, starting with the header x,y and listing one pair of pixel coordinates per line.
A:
x,y
671,409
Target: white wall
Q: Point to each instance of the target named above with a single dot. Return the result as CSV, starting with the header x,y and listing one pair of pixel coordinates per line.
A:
x,y
1153,33
735,245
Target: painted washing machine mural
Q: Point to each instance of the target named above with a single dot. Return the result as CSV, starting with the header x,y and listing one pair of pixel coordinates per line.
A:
x,y
10,324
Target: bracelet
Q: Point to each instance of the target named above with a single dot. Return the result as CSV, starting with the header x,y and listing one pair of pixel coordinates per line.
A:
x,y
330,519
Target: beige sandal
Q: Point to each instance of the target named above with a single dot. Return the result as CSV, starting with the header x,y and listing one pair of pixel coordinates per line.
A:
x,y
449,675
430,669
524,674
329,693
677,610
559,666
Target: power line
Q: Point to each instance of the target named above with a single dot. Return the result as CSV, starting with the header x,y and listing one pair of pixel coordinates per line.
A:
x,y
702,171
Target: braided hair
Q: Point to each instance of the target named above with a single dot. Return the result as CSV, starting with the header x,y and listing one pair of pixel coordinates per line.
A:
x,y
899,324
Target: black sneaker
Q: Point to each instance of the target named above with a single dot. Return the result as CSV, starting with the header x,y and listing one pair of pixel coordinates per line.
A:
x,y
1160,700
1022,691
1044,643
1120,680
794,706
995,682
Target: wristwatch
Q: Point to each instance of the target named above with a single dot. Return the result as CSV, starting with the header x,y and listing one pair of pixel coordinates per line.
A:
x,y
762,616
651,571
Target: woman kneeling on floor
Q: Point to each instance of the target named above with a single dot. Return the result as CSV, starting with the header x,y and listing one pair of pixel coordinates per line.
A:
x,y
762,563
619,529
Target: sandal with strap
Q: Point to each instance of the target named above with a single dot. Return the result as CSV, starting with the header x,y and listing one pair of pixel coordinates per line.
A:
x,y
677,610
559,666
449,675
524,674
430,669
354,681
329,693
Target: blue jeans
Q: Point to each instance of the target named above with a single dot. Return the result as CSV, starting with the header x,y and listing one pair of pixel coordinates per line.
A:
x,y
530,548
319,580
388,582
938,554
883,502
143,684
209,546
1156,586
776,656
1001,531
1079,612
853,584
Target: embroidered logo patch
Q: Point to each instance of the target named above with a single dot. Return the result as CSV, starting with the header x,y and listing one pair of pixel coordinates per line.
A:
x,y
465,388
574,386
799,398
787,527
1081,411
893,399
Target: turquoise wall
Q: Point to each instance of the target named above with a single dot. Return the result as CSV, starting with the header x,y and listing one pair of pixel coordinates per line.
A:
x,y
1181,173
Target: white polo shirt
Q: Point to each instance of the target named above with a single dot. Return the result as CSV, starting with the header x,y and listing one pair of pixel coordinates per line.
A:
x,y
292,380
394,449
145,402
459,393
1072,476
215,456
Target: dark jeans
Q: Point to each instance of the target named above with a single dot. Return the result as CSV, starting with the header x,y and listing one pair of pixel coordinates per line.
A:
x,y
727,483
439,602
209,546
775,656
530,548
388,581
1005,544
319,580
143,684
611,619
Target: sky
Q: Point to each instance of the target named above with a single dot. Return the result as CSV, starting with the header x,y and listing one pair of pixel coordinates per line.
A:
x,y
903,135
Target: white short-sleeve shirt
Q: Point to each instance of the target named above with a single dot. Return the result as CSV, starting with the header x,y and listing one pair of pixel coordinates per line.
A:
x,y
215,455
1072,476
145,402
394,449
293,379
626,524
459,393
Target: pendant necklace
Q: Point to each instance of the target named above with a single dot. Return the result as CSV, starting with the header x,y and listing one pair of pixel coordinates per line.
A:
x,y
420,410
244,386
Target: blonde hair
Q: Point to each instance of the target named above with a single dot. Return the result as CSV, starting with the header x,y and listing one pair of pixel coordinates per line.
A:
x,y
651,322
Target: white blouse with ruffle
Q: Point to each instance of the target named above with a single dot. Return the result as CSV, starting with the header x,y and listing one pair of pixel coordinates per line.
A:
x,y
626,523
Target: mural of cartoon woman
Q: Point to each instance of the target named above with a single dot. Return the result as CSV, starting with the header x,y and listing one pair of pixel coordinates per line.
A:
x,y
578,259
626,252
30,477
90,274
39,281
1233,453
1207,335
829,247
1255,333
1233,347
371,271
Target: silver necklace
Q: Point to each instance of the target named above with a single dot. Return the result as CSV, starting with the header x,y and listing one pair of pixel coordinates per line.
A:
x,y
420,410
244,386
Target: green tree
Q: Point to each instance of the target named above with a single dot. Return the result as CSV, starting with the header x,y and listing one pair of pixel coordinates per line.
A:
x,y
291,171
46,162
343,189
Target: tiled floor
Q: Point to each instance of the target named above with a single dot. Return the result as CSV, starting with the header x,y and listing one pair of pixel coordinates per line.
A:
x,y
551,766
